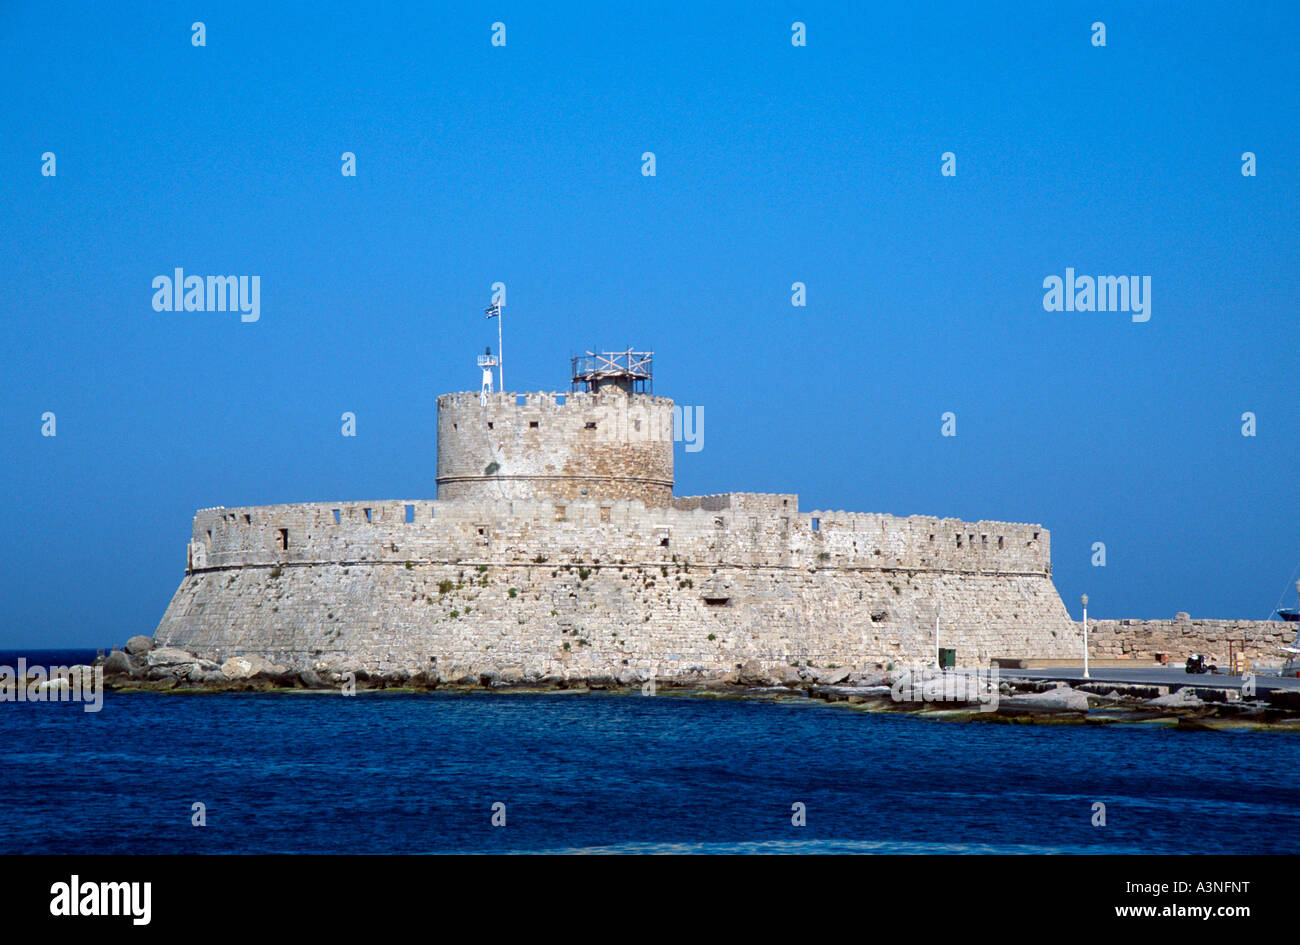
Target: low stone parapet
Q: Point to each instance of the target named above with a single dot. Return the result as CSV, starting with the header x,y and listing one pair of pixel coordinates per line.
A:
x,y
1175,640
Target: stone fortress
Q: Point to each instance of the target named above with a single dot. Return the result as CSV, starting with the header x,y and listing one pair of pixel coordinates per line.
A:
x,y
556,550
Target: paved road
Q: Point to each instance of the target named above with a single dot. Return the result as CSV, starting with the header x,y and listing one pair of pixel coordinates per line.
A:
x,y
1154,676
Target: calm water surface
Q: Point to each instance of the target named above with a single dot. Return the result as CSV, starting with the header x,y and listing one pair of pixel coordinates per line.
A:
x,y
420,773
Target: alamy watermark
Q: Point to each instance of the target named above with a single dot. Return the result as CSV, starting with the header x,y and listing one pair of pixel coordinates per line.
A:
x,y
1099,294
687,427
930,684
24,683
77,897
181,293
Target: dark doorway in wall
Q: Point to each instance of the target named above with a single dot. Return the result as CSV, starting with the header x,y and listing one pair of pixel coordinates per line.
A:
x,y
282,539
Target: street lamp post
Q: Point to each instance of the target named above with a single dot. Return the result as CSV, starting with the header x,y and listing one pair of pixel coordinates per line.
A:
x,y
938,663
1084,598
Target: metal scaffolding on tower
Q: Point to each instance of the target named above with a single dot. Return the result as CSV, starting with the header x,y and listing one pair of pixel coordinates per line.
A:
x,y
629,370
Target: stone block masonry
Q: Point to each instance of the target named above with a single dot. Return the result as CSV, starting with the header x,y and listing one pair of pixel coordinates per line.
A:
x,y
556,548
609,587
1147,640
549,445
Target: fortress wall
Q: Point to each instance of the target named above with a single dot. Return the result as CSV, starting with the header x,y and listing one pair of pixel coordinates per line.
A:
x,y
594,532
857,589
885,541
549,445
616,620
739,501
1144,640
555,546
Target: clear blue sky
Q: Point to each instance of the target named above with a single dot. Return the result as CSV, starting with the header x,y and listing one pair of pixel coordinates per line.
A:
x,y
774,165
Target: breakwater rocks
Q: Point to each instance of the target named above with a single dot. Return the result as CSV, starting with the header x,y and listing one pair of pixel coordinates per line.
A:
x,y
983,696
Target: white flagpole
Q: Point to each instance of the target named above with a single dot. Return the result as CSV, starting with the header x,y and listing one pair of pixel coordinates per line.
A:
x,y
501,359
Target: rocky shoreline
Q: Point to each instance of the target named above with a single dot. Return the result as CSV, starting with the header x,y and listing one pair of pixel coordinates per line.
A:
x,y
142,667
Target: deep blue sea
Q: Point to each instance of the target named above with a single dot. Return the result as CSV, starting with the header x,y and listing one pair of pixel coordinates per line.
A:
x,y
299,773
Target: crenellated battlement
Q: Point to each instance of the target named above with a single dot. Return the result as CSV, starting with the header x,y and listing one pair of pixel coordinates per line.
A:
x,y
554,399
739,530
747,501
607,445
555,545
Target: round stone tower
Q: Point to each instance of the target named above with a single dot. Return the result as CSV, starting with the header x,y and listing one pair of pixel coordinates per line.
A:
x,y
608,438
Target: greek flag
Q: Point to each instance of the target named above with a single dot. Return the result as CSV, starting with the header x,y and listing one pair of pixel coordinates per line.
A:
x,y
493,310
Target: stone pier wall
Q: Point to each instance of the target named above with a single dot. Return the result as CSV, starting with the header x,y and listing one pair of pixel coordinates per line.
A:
x,y
1145,640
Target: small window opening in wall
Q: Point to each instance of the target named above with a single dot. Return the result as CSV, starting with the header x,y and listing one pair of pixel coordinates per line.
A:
x,y
785,503
716,601
368,515
816,524
482,530
209,534
410,513
591,424
1035,536
455,427
999,541
533,424
337,517
663,542
958,541
282,539
248,519
984,539
491,426
972,539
